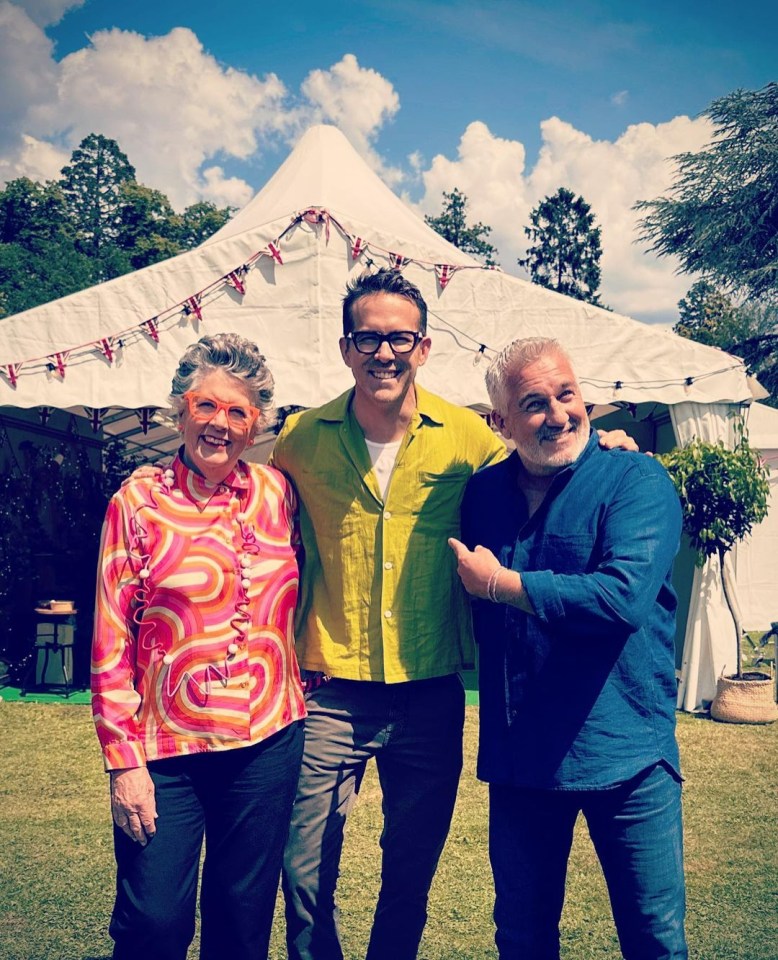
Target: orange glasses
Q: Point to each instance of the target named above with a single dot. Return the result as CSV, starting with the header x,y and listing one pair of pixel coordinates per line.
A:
x,y
204,408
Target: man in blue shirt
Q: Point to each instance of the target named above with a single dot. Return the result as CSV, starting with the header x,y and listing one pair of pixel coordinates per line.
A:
x,y
569,549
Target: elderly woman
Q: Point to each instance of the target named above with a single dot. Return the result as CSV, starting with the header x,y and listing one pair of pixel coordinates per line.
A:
x,y
196,690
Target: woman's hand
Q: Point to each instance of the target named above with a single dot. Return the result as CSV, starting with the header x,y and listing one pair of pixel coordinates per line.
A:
x,y
148,471
133,807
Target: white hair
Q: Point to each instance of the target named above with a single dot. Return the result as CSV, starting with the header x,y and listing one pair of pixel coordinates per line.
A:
x,y
517,355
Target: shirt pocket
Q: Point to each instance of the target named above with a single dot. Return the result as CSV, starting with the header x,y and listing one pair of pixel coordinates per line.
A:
x,y
438,498
564,553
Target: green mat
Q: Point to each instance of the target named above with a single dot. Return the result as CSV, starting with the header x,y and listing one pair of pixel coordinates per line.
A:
x,y
12,694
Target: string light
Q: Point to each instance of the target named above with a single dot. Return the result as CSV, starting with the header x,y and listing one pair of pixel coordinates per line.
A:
x,y
687,385
480,355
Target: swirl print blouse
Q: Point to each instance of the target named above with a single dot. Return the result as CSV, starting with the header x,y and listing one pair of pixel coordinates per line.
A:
x,y
193,648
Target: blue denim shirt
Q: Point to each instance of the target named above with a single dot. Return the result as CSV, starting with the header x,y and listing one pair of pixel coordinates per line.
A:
x,y
582,695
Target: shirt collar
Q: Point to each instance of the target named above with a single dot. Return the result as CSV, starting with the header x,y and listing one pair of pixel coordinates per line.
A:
x,y
198,489
429,407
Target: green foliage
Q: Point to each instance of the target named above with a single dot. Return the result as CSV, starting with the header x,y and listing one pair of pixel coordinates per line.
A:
x,y
452,226
749,330
92,185
52,505
723,493
565,249
721,217
96,223
200,221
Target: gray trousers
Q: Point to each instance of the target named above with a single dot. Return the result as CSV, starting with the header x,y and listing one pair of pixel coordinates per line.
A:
x,y
414,731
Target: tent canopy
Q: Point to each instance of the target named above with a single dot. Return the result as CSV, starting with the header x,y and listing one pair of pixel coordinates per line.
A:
x,y
276,274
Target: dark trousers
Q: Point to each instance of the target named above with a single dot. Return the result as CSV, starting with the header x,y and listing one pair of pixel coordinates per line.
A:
x,y
240,800
414,731
637,833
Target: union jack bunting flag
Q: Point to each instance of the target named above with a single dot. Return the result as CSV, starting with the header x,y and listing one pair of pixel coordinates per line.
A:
x,y
95,416
358,247
144,415
150,327
193,306
58,362
12,372
235,280
275,253
397,261
444,272
106,348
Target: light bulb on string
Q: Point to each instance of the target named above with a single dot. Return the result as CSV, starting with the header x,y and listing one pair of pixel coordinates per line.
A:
x,y
480,355
687,385
615,391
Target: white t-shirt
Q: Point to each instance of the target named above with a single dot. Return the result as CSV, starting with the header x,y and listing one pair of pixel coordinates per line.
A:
x,y
383,456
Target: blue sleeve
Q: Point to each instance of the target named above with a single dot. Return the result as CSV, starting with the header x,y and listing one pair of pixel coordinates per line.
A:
x,y
637,540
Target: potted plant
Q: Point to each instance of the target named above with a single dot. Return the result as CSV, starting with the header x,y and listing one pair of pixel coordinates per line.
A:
x,y
723,494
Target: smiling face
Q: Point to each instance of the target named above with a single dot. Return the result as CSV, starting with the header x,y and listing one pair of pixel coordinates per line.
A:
x,y
213,447
382,379
544,415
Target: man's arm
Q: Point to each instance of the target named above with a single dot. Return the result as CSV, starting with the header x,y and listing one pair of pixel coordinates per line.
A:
x,y
637,542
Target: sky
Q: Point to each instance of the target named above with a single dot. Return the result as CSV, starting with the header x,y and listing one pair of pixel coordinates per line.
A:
x,y
505,101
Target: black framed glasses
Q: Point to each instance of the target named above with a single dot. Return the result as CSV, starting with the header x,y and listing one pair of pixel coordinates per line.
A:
x,y
401,341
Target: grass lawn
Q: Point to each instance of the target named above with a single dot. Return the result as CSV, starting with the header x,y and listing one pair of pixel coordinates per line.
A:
x,y
56,865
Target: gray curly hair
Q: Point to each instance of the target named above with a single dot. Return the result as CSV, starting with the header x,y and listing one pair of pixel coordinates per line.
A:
x,y
232,354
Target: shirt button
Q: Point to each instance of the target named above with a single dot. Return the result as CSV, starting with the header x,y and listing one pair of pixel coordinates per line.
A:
x,y
388,614
388,565
387,515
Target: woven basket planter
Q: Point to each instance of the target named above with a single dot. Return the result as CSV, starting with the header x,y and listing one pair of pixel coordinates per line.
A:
x,y
746,700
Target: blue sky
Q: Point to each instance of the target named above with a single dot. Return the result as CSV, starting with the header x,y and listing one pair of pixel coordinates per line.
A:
x,y
506,100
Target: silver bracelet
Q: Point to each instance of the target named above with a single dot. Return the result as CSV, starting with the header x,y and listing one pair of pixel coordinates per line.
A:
x,y
491,586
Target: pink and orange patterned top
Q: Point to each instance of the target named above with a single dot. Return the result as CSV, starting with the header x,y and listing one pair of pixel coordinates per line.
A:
x,y
193,648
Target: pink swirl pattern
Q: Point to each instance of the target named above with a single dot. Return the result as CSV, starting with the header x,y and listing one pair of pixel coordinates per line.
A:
x,y
193,647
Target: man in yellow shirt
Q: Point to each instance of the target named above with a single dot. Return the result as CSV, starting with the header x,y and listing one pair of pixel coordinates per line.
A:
x,y
380,473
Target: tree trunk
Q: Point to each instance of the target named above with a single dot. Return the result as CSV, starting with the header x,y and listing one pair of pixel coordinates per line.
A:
x,y
729,589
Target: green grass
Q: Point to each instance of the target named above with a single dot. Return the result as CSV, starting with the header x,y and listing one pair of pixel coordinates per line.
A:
x,y
56,865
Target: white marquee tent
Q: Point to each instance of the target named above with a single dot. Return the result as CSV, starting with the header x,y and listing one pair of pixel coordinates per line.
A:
x,y
276,273
757,556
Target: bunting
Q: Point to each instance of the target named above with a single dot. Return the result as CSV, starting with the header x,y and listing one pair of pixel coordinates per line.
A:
x,y
318,215
151,328
58,362
44,413
193,306
275,253
235,279
358,247
444,272
12,372
144,415
106,348
95,416
397,261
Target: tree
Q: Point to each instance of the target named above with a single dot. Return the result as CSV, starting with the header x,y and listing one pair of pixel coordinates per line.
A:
x,y
565,246
723,494
92,184
38,257
452,226
199,221
749,330
721,216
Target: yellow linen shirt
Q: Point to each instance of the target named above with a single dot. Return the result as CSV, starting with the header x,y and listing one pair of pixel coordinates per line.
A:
x,y
380,598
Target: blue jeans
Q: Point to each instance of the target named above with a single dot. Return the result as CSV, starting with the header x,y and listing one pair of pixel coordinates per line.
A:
x,y
414,731
241,801
637,833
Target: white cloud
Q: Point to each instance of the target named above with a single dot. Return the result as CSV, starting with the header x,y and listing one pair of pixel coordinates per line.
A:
x,y
611,176
356,99
175,111
47,12
620,98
